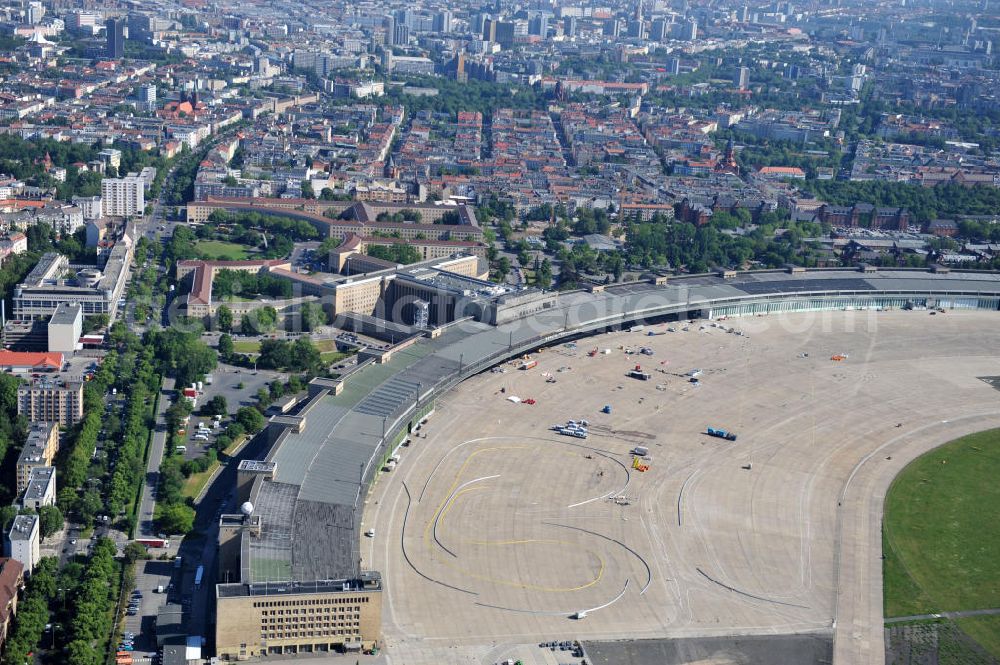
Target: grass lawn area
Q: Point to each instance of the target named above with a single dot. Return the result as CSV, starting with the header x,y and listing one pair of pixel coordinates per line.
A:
x,y
908,599
332,356
196,481
217,249
246,346
940,543
324,345
985,630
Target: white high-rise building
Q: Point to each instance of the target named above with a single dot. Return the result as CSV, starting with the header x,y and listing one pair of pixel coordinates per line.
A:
x,y
35,13
443,21
742,78
23,541
84,20
92,206
689,30
123,197
146,95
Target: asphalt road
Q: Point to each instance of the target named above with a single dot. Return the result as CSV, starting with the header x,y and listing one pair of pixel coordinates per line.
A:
x,y
70,544
145,527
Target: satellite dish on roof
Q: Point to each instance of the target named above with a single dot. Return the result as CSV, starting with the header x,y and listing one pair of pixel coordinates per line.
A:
x,y
247,509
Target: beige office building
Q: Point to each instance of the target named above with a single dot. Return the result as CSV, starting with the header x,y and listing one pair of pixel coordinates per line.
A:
x,y
39,450
304,618
51,400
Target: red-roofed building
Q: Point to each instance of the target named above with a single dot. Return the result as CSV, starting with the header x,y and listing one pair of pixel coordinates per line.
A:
x,y
17,361
175,110
13,205
171,148
15,243
11,579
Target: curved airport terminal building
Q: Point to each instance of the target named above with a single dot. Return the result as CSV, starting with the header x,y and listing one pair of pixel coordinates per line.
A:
x,y
292,577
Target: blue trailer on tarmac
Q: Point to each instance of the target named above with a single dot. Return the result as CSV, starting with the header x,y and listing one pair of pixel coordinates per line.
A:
x,y
721,433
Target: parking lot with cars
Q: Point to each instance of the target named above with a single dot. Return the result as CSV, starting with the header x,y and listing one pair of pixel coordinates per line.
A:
x,y
239,386
154,583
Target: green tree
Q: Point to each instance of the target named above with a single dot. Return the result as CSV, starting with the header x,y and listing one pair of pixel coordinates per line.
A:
x,y
216,406
300,355
543,276
95,322
235,431
8,394
225,346
91,622
502,268
50,520
82,652
250,418
275,354
397,252
134,552
181,245
259,321
90,505
224,318
176,413
263,397
32,613
617,267
7,515
175,518
313,316
305,355
183,354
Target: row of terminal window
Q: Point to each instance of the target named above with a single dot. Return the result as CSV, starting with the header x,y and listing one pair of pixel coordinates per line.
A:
x,y
308,633
317,601
339,617
312,610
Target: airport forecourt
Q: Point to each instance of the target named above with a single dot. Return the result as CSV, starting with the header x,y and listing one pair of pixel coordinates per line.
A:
x,y
496,527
